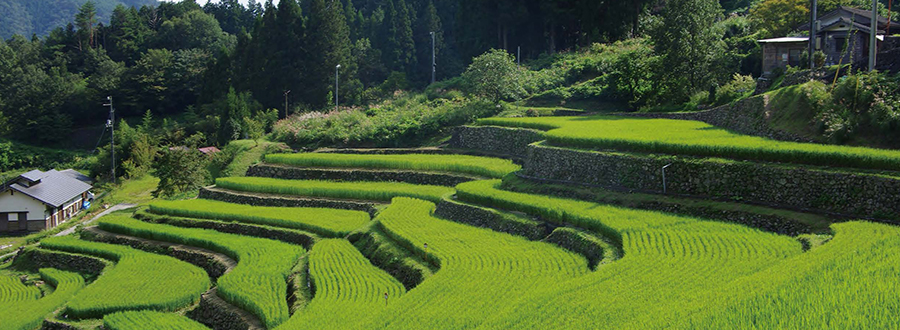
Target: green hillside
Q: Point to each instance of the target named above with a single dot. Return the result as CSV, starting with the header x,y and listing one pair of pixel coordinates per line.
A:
x,y
27,17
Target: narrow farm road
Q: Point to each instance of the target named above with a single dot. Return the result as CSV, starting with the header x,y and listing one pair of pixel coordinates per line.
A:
x,y
117,207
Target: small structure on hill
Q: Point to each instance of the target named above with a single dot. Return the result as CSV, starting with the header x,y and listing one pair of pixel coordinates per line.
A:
x,y
842,35
39,200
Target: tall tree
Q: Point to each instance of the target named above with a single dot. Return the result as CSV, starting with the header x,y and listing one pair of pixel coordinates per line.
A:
x,y
86,20
687,41
399,48
329,36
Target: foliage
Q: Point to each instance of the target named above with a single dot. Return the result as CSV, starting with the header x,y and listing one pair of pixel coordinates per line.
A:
x,y
149,320
738,88
403,121
31,314
180,169
257,284
377,191
328,222
348,287
697,139
494,75
140,280
481,166
862,104
687,46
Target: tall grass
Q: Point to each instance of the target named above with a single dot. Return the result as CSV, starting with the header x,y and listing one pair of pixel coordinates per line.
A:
x,y
149,320
473,165
695,138
377,191
257,284
139,280
348,287
327,222
26,315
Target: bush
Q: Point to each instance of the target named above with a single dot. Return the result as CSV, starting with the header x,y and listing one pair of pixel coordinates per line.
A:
x,y
494,75
739,87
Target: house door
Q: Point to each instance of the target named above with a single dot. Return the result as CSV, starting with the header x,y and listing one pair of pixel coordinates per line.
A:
x,y
23,220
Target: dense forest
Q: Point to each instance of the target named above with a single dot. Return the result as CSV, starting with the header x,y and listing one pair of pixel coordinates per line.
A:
x,y
209,67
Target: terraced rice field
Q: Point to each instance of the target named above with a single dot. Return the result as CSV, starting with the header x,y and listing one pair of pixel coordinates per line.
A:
x,y
23,315
258,283
347,287
462,164
685,137
674,272
12,290
328,222
148,320
139,280
374,191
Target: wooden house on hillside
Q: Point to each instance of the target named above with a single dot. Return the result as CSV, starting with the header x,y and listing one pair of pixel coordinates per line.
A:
x,y
41,200
842,34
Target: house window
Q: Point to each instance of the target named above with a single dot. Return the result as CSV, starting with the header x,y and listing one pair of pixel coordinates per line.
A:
x,y
795,57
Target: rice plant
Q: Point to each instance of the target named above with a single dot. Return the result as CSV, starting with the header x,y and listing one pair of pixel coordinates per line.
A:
x,y
347,287
473,165
480,270
257,284
376,191
149,320
695,138
26,315
328,222
13,291
139,280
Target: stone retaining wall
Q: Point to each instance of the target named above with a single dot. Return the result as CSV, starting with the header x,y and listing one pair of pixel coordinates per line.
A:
x,y
492,219
220,315
590,246
41,258
770,184
746,116
511,142
196,256
302,173
270,200
285,235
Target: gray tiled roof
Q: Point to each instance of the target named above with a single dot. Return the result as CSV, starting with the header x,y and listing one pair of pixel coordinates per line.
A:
x,y
55,188
33,175
77,175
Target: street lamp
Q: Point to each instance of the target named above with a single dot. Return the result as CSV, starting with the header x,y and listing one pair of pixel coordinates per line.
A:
x,y
336,68
111,124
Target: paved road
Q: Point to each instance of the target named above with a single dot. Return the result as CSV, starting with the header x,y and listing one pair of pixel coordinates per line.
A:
x,y
117,207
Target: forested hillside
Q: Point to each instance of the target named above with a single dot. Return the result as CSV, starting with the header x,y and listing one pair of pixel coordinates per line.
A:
x,y
27,17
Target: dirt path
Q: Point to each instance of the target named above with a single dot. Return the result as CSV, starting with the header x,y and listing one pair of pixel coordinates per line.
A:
x,y
117,207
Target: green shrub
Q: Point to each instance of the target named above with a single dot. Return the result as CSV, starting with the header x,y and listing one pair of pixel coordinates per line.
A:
x,y
739,87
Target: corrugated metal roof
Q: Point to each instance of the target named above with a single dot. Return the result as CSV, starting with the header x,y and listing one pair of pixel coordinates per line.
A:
x,y
55,188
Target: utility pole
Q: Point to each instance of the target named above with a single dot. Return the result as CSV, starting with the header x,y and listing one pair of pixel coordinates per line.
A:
x,y
111,123
873,40
519,55
336,86
433,58
286,103
813,29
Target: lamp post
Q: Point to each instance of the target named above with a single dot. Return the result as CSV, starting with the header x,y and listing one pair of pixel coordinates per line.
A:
x,y
286,113
873,40
664,177
433,59
112,136
336,68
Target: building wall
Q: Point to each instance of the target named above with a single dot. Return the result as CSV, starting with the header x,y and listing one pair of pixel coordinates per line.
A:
x,y
779,55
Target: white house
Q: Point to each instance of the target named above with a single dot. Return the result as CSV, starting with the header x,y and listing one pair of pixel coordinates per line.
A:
x,y
41,200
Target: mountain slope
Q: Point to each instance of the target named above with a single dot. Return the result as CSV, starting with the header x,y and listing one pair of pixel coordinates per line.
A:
x,y
27,17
